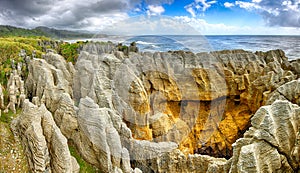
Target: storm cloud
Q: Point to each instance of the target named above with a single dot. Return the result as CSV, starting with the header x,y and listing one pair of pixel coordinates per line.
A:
x,y
71,14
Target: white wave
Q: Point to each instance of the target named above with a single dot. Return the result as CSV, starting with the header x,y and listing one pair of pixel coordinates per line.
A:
x,y
143,42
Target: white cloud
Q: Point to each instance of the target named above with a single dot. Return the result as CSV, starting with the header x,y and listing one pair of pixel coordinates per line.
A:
x,y
256,1
247,5
205,5
154,10
228,4
198,6
96,24
284,13
289,5
205,28
190,10
149,25
137,10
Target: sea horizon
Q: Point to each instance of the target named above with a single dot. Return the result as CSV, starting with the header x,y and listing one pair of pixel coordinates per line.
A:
x,y
290,44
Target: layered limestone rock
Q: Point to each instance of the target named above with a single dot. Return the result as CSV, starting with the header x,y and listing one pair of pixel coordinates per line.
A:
x,y
100,141
289,91
160,111
106,142
46,148
295,66
49,82
48,79
16,90
65,116
164,157
93,77
178,162
203,102
272,143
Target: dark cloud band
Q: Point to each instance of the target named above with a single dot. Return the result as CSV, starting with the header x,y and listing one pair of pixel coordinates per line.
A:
x,y
65,13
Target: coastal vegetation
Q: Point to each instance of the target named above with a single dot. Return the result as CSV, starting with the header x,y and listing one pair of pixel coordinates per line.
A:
x,y
70,51
34,46
6,30
10,48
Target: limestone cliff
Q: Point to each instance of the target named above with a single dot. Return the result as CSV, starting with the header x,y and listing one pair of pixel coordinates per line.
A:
x,y
166,112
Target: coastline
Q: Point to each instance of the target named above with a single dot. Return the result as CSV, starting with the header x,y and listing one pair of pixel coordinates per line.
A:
x,y
206,43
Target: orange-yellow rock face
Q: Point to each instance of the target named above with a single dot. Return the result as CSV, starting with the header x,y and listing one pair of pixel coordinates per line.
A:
x,y
198,125
207,111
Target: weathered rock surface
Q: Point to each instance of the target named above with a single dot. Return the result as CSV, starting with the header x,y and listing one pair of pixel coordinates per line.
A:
x,y
205,100
49,82
272,143
295,67
15,88
289,91
101,142
65,116
46,148
159,112
48,79
93,77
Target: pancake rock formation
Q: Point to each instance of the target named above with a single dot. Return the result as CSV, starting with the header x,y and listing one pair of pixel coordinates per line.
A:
x,y
46,147
226,111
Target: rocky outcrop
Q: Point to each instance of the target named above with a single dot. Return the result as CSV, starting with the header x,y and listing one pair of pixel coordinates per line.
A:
x,y
93,77
295,67
205,100
46,148
100,141
65,116
165,112
90,128
164,157
16,90
48,79
178,162
272,143
289,91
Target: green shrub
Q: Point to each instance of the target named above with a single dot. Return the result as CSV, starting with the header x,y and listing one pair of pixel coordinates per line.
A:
x,y
8,117
84,166
69,51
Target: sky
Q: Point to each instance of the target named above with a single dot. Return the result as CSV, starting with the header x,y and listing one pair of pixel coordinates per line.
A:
x,y
207,17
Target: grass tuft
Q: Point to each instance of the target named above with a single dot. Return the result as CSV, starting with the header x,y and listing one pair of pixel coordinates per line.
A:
x,y
84,166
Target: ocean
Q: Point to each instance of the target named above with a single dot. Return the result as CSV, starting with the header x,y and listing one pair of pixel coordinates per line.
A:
x,y
198,43
289,44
